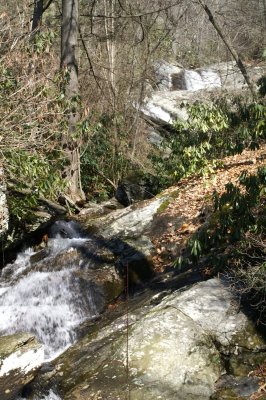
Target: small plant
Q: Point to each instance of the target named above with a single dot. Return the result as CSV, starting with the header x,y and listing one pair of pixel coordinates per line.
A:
x,y
42,41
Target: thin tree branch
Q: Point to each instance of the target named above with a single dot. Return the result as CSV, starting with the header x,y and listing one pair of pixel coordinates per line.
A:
x,y
47,5
230,47
132,15
88,58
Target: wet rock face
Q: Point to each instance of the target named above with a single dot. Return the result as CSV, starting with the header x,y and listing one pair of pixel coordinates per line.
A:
x,y
66,229
174,348
20,358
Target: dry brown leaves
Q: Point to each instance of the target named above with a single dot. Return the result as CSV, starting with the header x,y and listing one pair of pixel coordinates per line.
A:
x,y
193,201
260,372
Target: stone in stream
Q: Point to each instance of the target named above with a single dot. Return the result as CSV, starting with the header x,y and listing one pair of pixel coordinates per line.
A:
x,y
20,358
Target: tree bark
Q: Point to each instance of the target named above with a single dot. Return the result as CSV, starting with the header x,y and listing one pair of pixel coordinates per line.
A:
x,y
231,49
264,15
37,14
69,65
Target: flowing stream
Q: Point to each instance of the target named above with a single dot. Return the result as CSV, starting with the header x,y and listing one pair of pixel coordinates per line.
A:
x,y
195,80
50,396
47,297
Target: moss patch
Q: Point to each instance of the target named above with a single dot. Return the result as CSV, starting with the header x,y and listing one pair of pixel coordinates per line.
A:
x,y
163,206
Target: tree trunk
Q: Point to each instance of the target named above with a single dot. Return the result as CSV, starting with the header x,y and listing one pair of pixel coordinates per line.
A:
x,y
264,15
37,14
231,49
69,65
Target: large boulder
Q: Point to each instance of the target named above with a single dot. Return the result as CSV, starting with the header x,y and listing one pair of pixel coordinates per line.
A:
x,y
167,346
20,358
127,223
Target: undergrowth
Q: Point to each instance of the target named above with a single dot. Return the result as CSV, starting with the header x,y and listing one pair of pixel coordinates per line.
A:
x,y
233,240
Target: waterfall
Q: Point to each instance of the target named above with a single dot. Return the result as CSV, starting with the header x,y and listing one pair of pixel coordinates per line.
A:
x,y
50,396
47,297
201,79
193,80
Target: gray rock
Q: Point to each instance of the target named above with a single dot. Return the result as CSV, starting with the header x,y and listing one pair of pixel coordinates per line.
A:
x,y
231,77
211,305
159,141
236,388
170,350
20,358
171,356
132,221
96,210
130,231
163,74
127,223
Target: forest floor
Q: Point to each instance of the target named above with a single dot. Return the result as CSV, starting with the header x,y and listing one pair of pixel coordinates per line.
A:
x,y
192,200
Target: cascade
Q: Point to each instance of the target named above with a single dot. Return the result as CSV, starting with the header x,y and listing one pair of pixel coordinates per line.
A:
x,y
201,79
50,396
193,80
44,298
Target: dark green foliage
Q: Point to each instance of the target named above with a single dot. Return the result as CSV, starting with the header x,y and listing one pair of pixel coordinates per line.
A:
x,y
238,210
30,176
211,133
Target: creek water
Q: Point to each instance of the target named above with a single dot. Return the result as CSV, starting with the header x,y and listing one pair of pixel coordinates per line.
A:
x,y
45,297
50,396
195,80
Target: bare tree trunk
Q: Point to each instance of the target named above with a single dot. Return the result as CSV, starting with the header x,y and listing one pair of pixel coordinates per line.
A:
x,y
69,64
230,47
264,15
109,26
37,14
